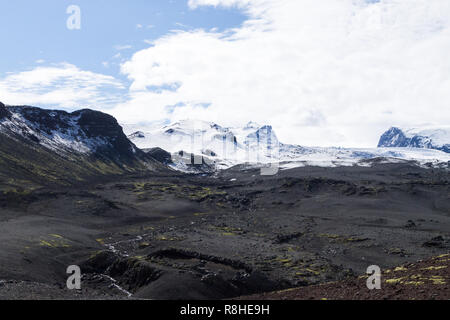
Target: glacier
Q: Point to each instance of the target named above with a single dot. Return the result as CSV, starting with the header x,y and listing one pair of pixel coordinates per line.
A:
x,y
258,145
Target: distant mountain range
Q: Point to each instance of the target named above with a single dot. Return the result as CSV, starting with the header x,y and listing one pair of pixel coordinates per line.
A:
x,y
429,138
40,147
253,143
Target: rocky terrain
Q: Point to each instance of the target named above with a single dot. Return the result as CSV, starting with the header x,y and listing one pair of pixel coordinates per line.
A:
x,y
423,280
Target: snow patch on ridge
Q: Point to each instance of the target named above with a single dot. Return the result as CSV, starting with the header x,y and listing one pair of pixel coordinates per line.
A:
x,y
70,137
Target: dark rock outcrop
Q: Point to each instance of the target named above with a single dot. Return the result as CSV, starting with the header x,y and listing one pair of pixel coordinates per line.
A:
x,y
160,155
100,125
394,137
3,111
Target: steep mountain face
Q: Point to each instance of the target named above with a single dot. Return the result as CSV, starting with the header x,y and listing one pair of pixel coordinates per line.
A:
x,y
223,147
159,154
427,138
263,135
394,137
84,131
3,111
40,146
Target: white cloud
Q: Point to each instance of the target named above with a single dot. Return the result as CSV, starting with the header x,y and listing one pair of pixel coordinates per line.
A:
x,y
322,72
60,86
122,47
193,4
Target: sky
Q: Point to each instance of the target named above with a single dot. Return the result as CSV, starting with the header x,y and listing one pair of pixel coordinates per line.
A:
x,y
322,73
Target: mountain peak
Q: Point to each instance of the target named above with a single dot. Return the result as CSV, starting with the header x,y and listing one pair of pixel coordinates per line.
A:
x,y
252,125
3,111
189,123
421,137
137,135
394,137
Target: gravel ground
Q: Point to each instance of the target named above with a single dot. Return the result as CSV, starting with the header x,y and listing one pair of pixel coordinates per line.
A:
x,y
424,280
223,236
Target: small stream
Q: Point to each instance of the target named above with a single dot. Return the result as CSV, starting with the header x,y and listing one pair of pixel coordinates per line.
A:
x,y
114,284
113,248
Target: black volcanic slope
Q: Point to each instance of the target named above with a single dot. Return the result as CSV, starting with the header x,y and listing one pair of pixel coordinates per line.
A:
x,y
32,154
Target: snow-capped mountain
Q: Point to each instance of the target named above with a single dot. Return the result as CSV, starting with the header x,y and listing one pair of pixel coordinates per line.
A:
x,y
84,131
428,138
258,144
220,145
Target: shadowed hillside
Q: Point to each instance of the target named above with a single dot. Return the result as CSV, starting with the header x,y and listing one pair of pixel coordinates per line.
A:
x,y
43,147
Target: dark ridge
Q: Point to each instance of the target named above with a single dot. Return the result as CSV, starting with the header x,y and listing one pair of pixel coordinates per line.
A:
x,y
48,120
94,124
160,155
386,138
97,125
3,111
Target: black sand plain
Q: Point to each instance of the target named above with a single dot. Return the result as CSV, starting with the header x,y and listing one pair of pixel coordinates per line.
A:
x,y
235,233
